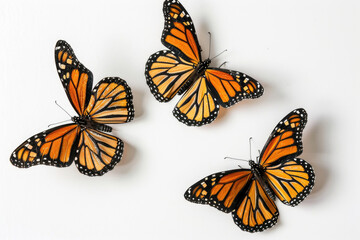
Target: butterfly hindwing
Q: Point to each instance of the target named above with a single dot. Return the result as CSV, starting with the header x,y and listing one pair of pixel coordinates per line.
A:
x,y
166,74
97,152
111,102
256,211
179,32
285,142
230,87
291,180
221,190
197,106
76,78
55,147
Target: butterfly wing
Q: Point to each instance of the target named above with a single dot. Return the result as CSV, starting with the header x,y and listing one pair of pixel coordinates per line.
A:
x,y
75,77
111,102
97,152
230,87
179,32
221,190
167,74
55,147
257,211
197,106
291,180
285,141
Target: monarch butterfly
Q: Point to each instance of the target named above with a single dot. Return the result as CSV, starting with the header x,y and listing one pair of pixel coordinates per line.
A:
x,y
84,141
249,193
181,70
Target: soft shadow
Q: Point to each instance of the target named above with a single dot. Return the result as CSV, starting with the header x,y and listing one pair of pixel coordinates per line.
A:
x,y
239,107
138,100
127,159
314,153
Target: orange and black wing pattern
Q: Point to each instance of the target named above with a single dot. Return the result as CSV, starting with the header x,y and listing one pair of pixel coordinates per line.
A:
x,y
222,190
97,152
167,74
256,211
285,142
197,106
230,87
55,147
75,77
291,180
179,32
111,102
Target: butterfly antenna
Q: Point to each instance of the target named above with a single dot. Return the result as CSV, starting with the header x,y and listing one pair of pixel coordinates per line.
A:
x,y
209,43
62,108
219,54
239,159
258,158
250,147
58,123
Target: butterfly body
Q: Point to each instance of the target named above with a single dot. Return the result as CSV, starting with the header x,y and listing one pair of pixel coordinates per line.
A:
x,y
181,70
87,122
259,175
85,141
249,194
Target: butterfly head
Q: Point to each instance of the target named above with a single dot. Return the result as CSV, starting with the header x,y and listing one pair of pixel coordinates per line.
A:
x,y
252,163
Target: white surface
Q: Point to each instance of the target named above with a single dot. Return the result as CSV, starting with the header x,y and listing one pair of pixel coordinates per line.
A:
x,y
305,53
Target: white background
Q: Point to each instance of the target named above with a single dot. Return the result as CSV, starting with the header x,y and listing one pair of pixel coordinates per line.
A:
x,y
305,54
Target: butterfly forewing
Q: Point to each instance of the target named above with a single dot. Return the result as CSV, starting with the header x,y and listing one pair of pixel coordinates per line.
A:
x,y
230,87
76,78
221,190
53,147
179,32
285,142
97,152
166,73
111,102
197,106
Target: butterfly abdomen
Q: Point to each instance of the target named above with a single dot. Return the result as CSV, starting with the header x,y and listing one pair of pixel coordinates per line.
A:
x,y
259,174
101,127
199,71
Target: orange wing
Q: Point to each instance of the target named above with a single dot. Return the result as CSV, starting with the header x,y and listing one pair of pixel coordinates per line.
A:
x,y
197,106
75,77
167,74
291,180
55,147
257,211
179,32
285,141
230,87
97,152
222,190
111,102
